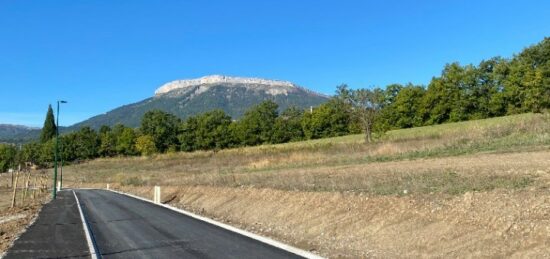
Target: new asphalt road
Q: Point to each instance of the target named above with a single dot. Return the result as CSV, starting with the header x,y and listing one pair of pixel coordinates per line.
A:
x,y
125,227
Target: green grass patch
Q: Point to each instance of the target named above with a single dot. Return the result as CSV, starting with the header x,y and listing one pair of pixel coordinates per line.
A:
x,y
445,182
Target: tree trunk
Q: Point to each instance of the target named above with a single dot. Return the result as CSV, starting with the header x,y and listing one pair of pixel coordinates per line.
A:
x,y
368,137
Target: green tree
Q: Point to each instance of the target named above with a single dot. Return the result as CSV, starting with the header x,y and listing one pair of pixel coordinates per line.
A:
x,y
145,145
125,142
49,128
68,149
87,143
256,126
330,119
391,93
441,102
288,126
498,101
364,104
46,155
234,134
8,155
104,129
30,152
117,130
528,81
403,111
489,75
162,127
212,130
188,134
108,142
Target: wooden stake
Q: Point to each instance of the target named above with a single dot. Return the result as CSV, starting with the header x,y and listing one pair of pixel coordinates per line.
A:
x,y
34,188
26,188
14,190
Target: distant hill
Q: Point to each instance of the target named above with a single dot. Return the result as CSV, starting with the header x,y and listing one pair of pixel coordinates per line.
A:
x,y
184,98
17,133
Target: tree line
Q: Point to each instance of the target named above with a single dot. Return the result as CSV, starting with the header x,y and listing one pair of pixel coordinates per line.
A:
x,y
495,87
161,132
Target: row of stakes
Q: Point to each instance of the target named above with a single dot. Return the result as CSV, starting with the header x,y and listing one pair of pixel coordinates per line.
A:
x,y
33,184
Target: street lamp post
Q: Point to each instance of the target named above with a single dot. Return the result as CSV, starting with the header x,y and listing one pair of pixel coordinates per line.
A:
x,y
54,193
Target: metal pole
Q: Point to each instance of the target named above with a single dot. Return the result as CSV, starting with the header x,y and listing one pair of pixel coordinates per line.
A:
x,y
61,173
54,192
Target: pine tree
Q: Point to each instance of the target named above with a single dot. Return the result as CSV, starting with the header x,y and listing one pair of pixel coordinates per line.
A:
x,y
49,129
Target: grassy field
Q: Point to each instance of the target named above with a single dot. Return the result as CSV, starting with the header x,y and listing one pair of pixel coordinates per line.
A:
x,y
300,165
476,188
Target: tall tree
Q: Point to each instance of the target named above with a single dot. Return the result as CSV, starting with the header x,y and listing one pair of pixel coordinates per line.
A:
x,y
288,126
530,78
108,144
145,145
125,142
88,143
403,111
30,152
365,105
256,126
7,157
188,134
213,130
162,127
49,129
329,119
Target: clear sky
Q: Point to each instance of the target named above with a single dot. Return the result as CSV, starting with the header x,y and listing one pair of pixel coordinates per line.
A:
x,y
99,55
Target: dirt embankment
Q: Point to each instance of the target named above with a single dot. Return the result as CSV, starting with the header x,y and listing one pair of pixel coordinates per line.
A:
x,y
495,224
14,221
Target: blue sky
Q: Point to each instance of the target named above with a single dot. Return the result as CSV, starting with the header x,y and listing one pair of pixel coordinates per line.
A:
x,y
99,55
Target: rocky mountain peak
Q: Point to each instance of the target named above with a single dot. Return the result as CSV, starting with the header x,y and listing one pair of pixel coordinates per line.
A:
x,y
272,87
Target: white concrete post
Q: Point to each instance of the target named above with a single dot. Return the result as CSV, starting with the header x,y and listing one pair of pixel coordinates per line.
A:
x,y
156,194
108,187
58,185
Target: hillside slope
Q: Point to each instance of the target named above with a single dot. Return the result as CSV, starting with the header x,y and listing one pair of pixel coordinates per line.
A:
x,y
17,133
184,98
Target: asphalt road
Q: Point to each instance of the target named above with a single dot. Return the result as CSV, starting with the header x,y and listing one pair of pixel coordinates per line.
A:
x,y
124,227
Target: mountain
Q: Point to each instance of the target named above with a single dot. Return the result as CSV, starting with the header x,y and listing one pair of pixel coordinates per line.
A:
x,y
234,95
17,133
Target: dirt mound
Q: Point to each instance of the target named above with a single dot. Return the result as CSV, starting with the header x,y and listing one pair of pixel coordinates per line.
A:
x,y
494,224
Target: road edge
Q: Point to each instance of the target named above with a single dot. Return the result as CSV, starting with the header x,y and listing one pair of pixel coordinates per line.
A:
x,y
91,246
256,237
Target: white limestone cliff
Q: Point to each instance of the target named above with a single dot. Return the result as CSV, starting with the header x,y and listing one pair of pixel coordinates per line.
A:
x,y
273,87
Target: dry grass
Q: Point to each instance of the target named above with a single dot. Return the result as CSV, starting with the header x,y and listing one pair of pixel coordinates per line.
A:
x,y
316,165
37,179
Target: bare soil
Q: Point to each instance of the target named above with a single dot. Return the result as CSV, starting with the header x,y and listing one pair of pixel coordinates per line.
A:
x,y
15,220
